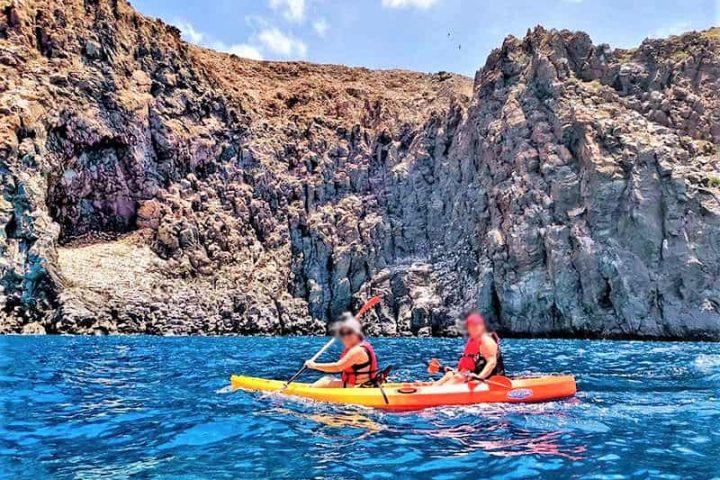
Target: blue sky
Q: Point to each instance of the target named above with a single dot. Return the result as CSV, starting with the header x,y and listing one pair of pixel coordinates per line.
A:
x,y
423,35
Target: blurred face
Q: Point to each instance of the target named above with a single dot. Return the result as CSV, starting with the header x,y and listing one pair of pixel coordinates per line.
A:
x,y
349,338
476,329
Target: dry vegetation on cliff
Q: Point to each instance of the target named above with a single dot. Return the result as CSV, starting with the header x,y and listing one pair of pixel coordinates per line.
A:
x,y
153,186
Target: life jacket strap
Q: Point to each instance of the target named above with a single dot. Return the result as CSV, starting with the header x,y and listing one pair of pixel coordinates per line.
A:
x,y
379,379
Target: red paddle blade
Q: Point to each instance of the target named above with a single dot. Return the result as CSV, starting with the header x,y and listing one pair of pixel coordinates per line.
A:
x,y
500,381
368,305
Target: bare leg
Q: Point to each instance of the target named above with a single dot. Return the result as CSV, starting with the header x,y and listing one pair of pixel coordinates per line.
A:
x,y
451,378
445,378
328,382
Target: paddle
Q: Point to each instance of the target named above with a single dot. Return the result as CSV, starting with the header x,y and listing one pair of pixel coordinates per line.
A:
x,y
368,305
499,381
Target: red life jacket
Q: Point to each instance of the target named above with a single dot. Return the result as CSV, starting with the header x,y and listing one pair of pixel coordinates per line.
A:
x,y
473,361
369,368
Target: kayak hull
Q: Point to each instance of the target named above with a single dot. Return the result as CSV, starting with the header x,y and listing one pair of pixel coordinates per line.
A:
x,y
420,395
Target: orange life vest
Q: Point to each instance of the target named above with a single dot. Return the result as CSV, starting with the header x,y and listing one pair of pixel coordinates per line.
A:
x,y
473,361
369,368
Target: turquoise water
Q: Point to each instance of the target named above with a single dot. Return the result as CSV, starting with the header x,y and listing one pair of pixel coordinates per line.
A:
x,y
145,407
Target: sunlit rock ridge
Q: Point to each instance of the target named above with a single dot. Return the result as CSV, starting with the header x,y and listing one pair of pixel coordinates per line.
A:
x,y
152,186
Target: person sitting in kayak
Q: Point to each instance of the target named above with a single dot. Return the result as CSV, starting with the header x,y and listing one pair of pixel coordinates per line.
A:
x,y
358,364
481,358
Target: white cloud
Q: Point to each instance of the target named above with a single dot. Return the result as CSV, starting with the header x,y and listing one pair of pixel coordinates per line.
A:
x,y
293,10
188,32
284,45
321,27
673,29
244,50
270,40
422,4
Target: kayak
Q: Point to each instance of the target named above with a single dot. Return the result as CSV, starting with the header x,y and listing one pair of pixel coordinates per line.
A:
x,y
419,395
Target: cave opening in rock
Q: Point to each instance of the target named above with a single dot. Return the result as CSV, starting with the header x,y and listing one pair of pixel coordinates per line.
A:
x,y
496,307
606,296
97,191
11,227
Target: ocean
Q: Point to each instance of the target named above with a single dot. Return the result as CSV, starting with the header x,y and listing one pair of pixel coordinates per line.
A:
x,y
150,407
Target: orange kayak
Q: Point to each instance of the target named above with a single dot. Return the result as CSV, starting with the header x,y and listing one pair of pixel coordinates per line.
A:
x,y
419,395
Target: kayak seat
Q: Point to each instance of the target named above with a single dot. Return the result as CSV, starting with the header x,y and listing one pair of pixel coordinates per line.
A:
x,y
380,378
383,376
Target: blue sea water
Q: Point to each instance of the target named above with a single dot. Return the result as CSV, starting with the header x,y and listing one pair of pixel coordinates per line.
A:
x,y
146,407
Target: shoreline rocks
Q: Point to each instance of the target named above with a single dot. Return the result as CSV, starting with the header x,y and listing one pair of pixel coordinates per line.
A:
x,y
150,186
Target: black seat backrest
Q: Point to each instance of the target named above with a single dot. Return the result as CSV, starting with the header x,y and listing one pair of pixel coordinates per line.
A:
x,y
383,375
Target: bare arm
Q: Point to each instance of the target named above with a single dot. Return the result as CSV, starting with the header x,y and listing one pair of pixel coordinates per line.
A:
x,y
355,356
489,367
490,353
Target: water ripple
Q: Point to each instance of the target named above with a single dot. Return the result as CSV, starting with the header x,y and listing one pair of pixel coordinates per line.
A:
x,y
141,407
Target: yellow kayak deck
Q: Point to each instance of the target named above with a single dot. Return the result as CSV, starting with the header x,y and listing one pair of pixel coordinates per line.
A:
x,y
419,395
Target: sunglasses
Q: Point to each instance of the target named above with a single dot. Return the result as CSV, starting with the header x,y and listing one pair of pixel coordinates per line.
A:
x,y
345,333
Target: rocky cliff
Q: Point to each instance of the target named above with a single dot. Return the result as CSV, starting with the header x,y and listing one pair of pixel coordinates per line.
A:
x,y
153,186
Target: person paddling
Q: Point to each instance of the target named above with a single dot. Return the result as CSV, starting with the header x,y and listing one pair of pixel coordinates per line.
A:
x,y
481,358
358,364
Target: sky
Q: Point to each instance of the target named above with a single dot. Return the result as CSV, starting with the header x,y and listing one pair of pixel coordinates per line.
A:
x,y
421,35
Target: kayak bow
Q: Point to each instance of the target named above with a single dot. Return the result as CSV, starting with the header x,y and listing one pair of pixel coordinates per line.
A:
x,y
419,395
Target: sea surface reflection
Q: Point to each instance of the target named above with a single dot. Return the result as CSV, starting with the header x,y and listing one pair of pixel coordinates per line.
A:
x,y
144,407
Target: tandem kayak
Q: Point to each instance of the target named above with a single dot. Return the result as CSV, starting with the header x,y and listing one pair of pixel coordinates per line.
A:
x,y
419,395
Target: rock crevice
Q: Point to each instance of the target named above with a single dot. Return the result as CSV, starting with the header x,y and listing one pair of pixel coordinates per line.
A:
x,y
156,187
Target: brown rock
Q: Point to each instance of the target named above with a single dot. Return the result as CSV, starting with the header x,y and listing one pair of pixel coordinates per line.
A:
x,y
566,191
33,328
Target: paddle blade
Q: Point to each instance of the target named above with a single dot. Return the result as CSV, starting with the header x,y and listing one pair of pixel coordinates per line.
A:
x,y
500,381
368,305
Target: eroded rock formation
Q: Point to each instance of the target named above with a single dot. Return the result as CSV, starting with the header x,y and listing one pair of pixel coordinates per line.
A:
x,y
152,186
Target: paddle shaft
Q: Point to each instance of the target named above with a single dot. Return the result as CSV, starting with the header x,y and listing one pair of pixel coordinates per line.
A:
x,y
490,382
314,357
368,305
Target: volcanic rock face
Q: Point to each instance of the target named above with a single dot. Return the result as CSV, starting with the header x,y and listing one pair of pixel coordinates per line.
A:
x,y
153,186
